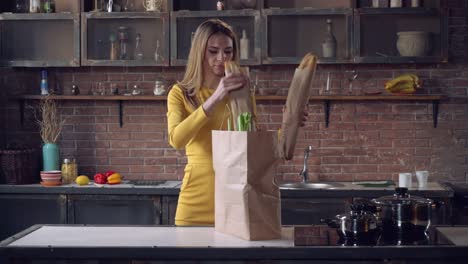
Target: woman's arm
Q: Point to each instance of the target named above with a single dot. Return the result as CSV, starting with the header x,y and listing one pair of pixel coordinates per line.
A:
x,y
227,84
182,126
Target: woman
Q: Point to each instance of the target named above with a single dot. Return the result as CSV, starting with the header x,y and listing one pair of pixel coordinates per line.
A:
x,y
196,106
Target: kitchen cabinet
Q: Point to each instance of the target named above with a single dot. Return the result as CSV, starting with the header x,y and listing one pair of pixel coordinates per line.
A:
x,y
114,210
279,32
20,211
291,33
382,34
103,32
308,211
26,38
169,206
184,23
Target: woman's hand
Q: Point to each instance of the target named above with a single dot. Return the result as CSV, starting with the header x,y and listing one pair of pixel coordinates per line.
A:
x,y
227,84
230,83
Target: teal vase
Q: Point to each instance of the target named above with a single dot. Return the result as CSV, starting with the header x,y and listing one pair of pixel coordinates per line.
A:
x,y
50,157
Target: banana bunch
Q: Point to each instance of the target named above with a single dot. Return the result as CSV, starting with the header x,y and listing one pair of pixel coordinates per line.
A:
x,y
405,84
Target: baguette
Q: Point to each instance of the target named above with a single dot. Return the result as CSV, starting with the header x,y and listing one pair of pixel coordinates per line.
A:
x,y
240,100
298,97
231,67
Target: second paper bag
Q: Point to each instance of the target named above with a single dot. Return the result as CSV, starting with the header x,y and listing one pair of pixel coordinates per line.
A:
x,y
247,202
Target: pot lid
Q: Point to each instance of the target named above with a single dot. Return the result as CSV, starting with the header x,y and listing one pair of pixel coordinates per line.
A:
x,y
401,196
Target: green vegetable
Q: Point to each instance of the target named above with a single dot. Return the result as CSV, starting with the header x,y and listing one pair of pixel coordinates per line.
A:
x,y
244,121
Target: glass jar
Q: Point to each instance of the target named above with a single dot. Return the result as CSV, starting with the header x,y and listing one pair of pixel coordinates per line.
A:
x,y
69,170
159,88
136,90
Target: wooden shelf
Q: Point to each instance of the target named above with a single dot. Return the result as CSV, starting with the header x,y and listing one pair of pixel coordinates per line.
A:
x,y
326,99
258,98
97,97
358,97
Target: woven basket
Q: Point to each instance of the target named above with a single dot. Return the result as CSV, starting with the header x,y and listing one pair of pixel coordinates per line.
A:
x,y
19,166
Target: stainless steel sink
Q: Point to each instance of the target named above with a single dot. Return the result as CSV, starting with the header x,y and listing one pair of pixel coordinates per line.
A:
x,y
311,185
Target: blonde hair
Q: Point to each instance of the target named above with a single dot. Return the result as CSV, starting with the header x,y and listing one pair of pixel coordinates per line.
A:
x,y
193,77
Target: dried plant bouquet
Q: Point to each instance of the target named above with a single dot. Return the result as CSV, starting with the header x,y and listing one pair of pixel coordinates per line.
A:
x,y
50,123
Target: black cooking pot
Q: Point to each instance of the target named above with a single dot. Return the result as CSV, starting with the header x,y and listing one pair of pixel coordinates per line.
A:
x,y
402,214
360,224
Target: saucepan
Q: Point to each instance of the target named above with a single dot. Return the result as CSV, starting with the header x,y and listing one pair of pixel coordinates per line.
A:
x,y
403,214
359,224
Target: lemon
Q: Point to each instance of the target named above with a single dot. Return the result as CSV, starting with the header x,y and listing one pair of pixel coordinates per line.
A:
x,y
82,180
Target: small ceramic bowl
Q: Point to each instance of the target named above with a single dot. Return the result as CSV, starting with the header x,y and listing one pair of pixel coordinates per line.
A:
x,y
49,177
52,183
52,172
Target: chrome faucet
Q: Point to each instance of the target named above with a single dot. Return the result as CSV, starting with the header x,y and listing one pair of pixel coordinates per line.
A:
x,y
304,172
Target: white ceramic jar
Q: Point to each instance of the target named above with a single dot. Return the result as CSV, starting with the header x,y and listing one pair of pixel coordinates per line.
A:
x,y
413,43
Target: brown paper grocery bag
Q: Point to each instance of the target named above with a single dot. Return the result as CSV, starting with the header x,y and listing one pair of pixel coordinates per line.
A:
x,y
247,202
298,97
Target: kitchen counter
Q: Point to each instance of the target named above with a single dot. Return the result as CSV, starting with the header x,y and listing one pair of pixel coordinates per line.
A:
x,y
164,188
197,243
349,189
433,190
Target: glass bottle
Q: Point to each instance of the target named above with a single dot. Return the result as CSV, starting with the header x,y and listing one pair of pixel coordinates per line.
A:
x,y
244,46
44,83
416,3
157,54
114,47
49,6
396,3
123,42
138,54
34,6
97,6
329,45
220,5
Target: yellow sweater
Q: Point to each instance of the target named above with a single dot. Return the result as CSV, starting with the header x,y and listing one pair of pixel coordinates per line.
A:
x,y
191,129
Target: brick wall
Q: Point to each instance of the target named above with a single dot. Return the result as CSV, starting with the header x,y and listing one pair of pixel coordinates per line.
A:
x,y
365,140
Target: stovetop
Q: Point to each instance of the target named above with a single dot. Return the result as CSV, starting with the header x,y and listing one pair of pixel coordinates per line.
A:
x,y
320,235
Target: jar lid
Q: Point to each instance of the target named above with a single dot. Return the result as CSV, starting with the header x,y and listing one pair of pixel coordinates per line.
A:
x,y
401,196
66,161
